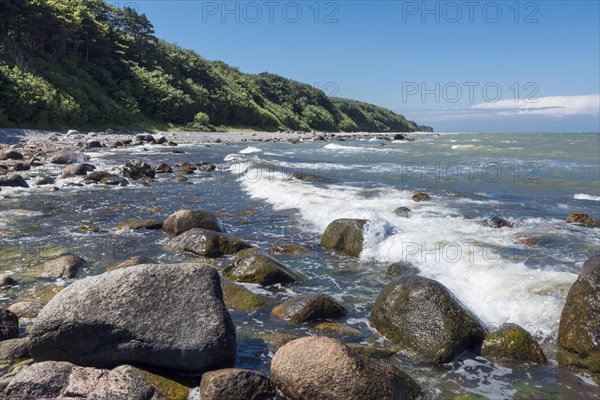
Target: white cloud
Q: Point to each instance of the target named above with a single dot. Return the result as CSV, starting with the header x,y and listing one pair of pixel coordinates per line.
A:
x,y
552,106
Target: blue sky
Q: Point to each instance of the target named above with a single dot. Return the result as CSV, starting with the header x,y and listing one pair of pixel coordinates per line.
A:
x,y
458,66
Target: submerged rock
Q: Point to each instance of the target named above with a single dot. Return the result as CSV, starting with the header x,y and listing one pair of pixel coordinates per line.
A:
x,y
9,325
401,268
97,176
68,157
168,316
13,180
61,380
345,235
404,212
512,344
420,196
65,266
163,169
206,243
253,266
236,384
424,318
137,169
130,262
324,368
76,170
336,328
184,220
302,176
114,180
239,298
310,307
288,249
140,223
579,328
583,220
497,222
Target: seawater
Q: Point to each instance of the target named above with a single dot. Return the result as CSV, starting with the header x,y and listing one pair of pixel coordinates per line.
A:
x,y
532,180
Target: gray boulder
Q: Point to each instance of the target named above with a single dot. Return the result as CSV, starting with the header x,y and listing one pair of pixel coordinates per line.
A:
x,y
310,307
206,243
61,380
13,180
137,169
326,369
345,235
184,220
254,266
68,157
425,319
236,384
76,170
168,316
579,328
14,349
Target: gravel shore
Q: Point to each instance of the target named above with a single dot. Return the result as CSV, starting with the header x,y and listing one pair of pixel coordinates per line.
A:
x,y
16,136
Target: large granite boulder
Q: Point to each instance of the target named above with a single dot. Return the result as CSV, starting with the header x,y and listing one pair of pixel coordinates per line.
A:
x,y
345,235
13,180
425,319
579,328
254,266
168,316
324,368
207,243
184,220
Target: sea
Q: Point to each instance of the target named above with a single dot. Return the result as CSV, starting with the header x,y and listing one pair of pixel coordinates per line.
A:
x,y
519,274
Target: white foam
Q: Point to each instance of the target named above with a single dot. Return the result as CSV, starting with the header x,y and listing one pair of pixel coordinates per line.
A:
x,y
250,150
458,252
462,146
584,196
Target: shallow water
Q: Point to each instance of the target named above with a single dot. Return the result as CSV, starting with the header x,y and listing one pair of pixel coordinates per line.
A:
x,y
533,180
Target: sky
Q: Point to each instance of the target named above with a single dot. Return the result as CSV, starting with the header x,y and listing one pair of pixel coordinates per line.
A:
x,y
459,66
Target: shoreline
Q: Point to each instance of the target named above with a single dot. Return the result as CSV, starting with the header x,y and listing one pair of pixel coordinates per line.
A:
x,y
21,136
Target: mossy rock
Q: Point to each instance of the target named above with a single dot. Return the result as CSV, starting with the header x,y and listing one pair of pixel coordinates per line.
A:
x,y
579,330
40,293
420,196
399,269
583,220
254,266
169,389
511,345
239,298
288,249
336,328
375,352
345,236
309,307
278,339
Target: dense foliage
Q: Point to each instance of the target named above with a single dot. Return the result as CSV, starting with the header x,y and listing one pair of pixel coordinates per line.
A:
x,y
84,63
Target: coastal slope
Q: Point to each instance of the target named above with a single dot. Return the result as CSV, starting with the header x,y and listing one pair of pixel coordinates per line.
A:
x,y
85,64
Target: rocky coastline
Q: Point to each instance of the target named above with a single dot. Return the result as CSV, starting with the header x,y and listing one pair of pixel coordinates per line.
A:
x,y
143,330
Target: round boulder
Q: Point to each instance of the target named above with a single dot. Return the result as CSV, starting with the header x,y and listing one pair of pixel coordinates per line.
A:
x,y
167,316
236,384
579,328
345,235
310,307
68,157
324,368
420,196
62,267
13,180
510,345
425,319
185,220
206,243
253,266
